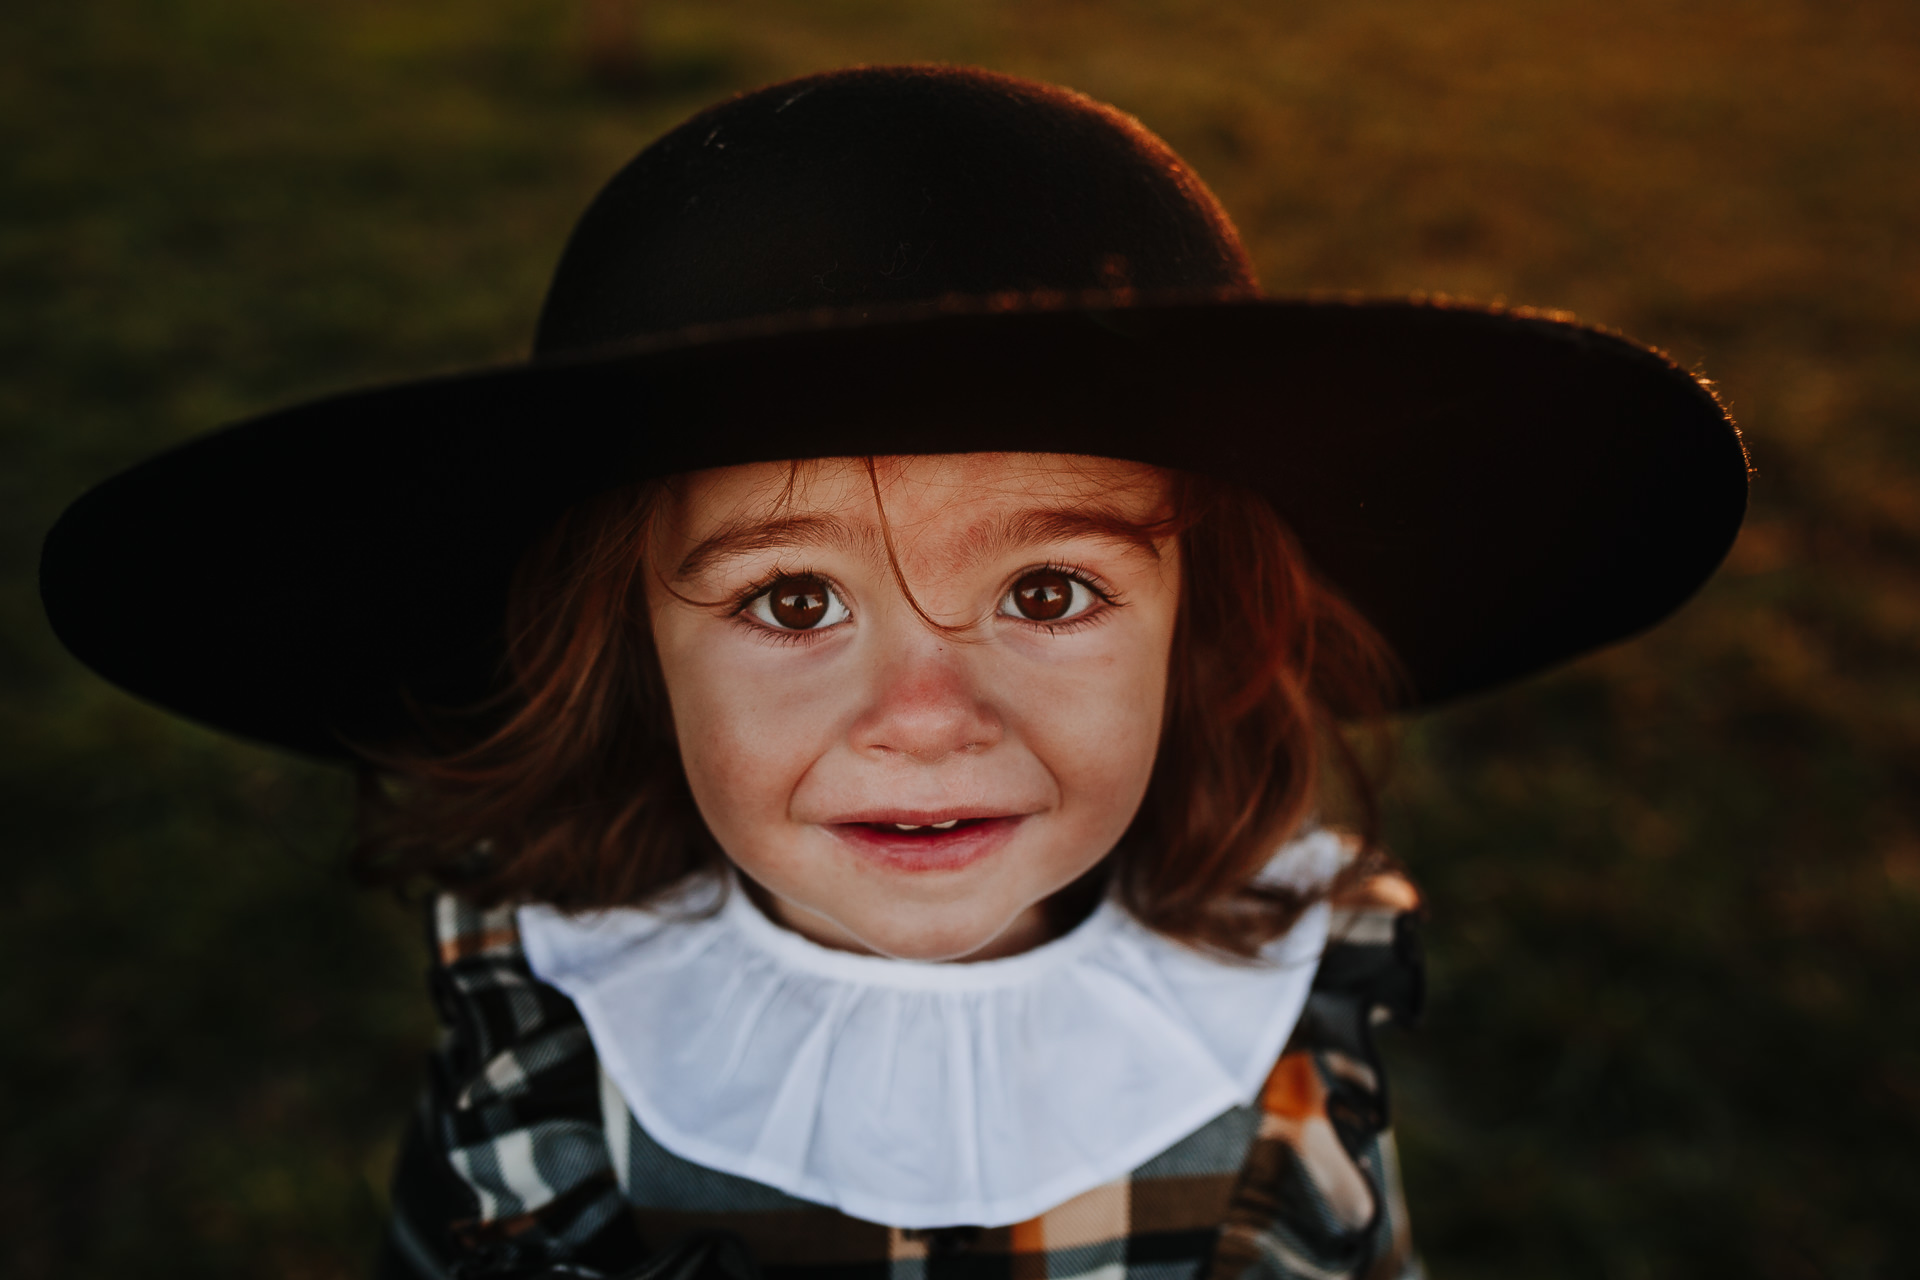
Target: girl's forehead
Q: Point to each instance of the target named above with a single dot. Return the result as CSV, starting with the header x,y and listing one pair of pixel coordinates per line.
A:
x,y
948,505
915,488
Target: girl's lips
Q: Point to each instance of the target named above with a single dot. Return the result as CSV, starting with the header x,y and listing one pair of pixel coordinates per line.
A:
x,y
929,848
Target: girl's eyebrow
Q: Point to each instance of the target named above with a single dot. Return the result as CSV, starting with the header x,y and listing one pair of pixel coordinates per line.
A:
x,y
1059,524
746,537
1014,529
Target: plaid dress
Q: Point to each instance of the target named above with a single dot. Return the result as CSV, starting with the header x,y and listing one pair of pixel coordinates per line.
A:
x,y
524,1158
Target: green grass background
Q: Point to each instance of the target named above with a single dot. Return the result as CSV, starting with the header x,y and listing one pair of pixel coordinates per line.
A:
x,y
1675,889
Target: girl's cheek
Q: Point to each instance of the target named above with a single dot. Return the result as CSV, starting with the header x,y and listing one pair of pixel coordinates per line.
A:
x,y
1095,724
745,732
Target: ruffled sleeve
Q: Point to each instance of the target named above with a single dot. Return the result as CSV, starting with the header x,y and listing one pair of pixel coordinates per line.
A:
x,y
506,1166
1319,1193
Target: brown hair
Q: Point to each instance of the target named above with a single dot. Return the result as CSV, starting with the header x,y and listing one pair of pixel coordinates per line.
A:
x,y
568,789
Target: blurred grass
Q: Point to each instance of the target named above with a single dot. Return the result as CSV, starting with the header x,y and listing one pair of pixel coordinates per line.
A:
x,y
1675,889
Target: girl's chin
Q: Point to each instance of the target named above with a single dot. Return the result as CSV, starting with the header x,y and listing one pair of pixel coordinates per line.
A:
x,y
968,923
960,942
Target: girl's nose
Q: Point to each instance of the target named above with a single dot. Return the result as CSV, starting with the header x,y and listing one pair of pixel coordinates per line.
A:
x,y
924,703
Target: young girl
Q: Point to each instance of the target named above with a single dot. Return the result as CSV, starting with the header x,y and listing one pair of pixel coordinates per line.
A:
x,y
871,692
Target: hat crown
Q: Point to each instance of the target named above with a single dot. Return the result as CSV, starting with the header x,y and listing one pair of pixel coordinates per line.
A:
x,y
881,187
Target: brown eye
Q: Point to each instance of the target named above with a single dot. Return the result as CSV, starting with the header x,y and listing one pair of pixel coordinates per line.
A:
x,y
799,603
1047,595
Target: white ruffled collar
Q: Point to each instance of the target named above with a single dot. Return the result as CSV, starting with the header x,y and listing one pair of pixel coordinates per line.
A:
x,y
915,1094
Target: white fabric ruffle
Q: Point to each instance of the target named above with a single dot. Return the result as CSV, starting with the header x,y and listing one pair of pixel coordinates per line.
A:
x,y
916,1094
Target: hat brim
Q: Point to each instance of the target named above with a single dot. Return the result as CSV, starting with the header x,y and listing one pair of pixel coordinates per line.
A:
x,y
1496,491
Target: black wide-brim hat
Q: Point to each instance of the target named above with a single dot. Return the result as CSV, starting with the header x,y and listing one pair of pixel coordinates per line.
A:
x,y
907,260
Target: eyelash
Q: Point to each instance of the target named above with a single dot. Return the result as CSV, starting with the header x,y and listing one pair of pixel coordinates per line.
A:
x,y
776,635
1107,596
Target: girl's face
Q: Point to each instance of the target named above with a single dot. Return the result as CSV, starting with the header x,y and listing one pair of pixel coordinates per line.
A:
x,y
892,786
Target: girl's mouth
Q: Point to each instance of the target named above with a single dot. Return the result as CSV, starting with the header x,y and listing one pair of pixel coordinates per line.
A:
x,y
944,845
924,828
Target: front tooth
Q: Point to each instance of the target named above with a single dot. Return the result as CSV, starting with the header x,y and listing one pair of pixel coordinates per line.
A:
x,y
948,825
906,826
